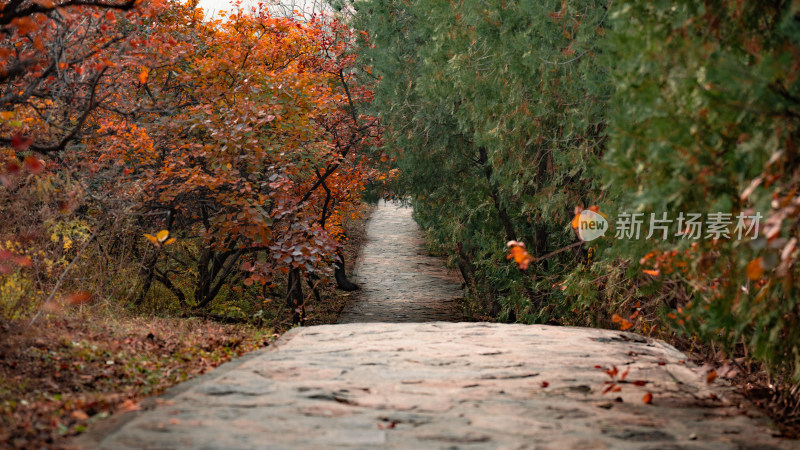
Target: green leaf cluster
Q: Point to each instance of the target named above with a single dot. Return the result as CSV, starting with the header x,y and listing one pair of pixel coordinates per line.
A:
x,y
506,116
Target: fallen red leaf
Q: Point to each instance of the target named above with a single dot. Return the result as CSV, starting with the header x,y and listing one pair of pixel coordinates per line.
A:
x,y
20,143
78,298
13,167
648,398
33,164
384,426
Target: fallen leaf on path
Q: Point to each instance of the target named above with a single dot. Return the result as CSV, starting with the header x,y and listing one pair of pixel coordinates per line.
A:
x,y
79,415
129,405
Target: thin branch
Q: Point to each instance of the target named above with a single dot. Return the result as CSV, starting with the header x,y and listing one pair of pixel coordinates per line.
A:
x,y
561,250
61,278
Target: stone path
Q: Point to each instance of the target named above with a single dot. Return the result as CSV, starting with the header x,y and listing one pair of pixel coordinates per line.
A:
x,y
399,281
442,385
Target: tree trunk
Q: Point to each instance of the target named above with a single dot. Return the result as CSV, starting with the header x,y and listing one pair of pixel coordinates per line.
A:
x,y
341,273
465,266
146,274
294,297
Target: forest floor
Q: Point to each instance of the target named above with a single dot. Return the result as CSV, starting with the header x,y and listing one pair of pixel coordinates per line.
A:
x,y
77,367
62,374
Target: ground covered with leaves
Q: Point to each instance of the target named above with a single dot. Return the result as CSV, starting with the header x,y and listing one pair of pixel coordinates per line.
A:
x,y
60,375
74,367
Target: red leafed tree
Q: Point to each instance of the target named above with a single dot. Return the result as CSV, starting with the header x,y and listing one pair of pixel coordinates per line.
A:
x,y
58,64
247,143
243,137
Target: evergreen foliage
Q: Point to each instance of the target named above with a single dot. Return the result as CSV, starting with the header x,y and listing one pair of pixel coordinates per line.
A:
x,y
506,116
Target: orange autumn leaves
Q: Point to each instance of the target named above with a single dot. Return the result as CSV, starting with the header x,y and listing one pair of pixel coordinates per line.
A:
x,y
629,322
241,135
265,156
755,269
517,252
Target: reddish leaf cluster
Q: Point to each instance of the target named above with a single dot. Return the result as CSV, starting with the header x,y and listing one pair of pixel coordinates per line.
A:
x,y
619,378
241,138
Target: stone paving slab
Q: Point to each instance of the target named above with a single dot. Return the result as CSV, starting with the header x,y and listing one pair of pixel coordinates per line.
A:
x,y
451,386
399,281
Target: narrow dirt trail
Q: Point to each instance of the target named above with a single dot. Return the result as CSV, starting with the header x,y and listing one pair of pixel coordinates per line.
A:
x,y
399,281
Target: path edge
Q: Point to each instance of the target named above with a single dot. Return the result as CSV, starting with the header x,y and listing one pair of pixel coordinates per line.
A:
x,y
93,437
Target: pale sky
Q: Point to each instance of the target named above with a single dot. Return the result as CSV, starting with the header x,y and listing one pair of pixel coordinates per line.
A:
x,y
212,7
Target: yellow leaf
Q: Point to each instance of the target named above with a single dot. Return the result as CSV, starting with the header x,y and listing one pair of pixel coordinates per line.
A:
x,y
151,238
162,235
169,241
755,269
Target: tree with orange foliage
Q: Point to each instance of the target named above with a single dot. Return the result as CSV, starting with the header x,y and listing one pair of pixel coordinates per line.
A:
x,y
247,143
241,138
